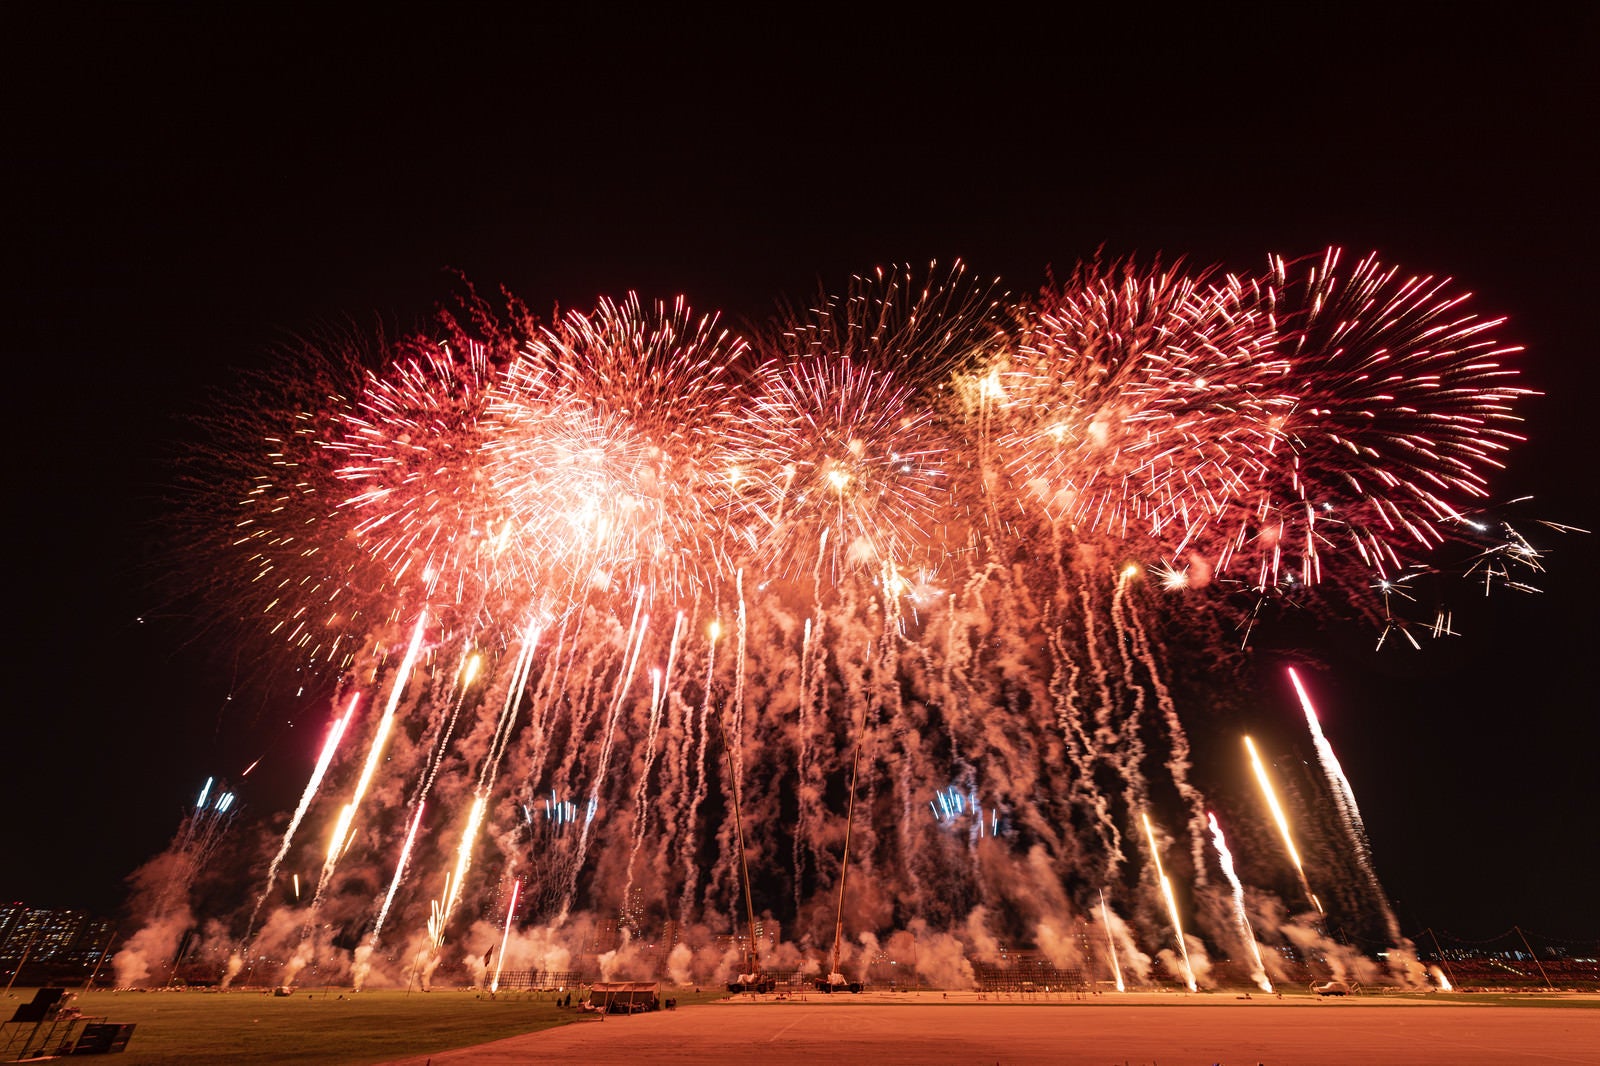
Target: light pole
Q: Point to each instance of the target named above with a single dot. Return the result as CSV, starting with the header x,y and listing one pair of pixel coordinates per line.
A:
x,y
89,984
22,961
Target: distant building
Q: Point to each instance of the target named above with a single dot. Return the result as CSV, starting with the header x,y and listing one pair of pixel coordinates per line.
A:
x,y
52,938
607,936
632,914
494,904
768,936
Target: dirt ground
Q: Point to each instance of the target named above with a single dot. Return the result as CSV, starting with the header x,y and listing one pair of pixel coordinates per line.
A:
x,y
902,1030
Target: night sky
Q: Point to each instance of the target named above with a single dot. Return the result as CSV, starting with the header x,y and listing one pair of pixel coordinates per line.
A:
x,y
189,186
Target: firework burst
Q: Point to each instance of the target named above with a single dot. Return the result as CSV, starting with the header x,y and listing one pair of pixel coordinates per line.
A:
x,y
853,472
619,437
1397,404
1136,403
418,505
855,466
539,503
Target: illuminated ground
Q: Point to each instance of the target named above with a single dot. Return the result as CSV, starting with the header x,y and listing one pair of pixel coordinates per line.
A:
x,y
888,1030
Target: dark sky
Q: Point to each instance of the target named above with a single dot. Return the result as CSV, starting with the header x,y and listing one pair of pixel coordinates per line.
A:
x,y
186,185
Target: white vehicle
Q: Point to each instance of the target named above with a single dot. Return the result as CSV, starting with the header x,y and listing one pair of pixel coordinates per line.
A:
x,y
1331,988
837,982
752,982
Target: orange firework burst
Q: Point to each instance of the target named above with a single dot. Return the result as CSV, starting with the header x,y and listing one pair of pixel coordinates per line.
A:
x,y
619,434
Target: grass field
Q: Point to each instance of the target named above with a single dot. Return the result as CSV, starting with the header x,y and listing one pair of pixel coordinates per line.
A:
x,y
314,1027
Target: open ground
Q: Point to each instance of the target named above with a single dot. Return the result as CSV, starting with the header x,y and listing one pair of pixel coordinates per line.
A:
x,y
1096,1031
335,1027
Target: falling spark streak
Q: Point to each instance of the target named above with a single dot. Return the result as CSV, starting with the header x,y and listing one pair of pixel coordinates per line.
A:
x,y
486,776
738,684
658,697
1111,943
508,710
505,938
1258,972
1172,903
1281,819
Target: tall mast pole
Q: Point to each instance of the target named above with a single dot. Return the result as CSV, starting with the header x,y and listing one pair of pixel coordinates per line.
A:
x,y
849,824
753,955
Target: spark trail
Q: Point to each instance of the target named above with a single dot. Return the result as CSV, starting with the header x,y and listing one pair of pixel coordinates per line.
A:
x,y
362,963
1111,944
505,938
1172,904
1258,971
342,831
1344,801
1281,820
329,746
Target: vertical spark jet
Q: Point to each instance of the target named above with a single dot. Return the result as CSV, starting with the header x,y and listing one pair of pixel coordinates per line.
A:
x,y
1282,821
487,771
452,889
342,829
1344,796
633,645
1172,903
1258,972
362,963
1344,799
834,975
505,938
1111,943
660,693
399,873
469,673
363,954
695,799
335,734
